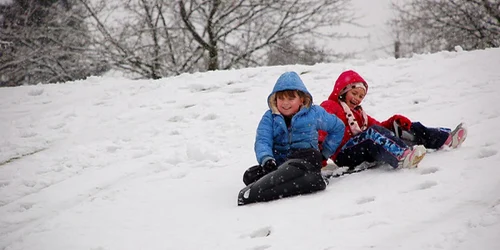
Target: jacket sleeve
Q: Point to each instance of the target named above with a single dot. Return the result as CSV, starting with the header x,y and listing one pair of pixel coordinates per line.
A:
x,y
264,139
334,128
332,108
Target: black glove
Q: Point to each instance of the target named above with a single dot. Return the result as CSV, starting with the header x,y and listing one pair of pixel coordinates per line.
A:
x,y
269,166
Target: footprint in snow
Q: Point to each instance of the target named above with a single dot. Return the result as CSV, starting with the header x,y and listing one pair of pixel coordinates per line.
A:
x,y
209,117
4,183
176,119
378,224
98,248
260,247
27,134
56,126
188,106
365,200
422,186
237,91
431,170
345,216
99,103
26,205
200,88
175,132
426,185
486,152
112,148
23,207
70,115
259,233
29,183
177,174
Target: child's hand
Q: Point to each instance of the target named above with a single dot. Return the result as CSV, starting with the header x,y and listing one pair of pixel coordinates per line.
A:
x,y
270,165
403,122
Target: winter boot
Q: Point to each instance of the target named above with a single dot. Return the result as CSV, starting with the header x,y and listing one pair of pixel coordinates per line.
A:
x,y
412,156
456,137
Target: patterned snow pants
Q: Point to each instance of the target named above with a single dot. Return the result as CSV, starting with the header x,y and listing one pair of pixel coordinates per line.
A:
x,y
431,138
382,145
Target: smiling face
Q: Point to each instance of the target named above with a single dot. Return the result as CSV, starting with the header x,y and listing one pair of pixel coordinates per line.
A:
x,y
354,97
288,102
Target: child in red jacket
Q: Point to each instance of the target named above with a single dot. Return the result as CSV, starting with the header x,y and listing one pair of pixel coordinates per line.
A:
x,y
396,141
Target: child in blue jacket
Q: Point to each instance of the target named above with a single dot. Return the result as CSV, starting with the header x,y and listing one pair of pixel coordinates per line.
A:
x,y
286,144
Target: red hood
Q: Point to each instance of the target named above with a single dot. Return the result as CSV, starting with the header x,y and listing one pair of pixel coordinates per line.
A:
x,y
346,78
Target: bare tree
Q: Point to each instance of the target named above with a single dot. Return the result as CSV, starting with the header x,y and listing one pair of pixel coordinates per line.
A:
x,y
287,52
142,38
44,42
158,38
237,33
434,25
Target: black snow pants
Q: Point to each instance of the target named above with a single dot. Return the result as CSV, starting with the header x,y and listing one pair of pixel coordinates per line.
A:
x,y
300,174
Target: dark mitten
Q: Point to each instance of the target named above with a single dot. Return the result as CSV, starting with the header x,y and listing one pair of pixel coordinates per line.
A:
x,y
269,166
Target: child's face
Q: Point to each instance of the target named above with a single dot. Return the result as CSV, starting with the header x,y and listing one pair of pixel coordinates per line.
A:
x,y
289,105
354,97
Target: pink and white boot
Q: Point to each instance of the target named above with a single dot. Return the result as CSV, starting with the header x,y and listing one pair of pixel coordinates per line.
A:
x,y
456,137
412,157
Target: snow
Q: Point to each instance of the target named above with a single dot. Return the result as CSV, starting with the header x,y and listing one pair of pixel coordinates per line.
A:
x,y
110,163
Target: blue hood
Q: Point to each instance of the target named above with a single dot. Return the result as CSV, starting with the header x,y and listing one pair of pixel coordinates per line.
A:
x,y
288,81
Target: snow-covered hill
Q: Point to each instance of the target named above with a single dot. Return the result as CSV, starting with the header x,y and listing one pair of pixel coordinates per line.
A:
x,y
115,164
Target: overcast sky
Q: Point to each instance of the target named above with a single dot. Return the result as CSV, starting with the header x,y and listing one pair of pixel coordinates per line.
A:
x,y
374,15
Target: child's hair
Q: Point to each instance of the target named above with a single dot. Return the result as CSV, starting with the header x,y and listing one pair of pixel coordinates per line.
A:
x,y
292,93
288,93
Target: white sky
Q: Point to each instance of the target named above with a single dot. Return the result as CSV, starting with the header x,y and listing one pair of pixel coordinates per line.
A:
x,y
373,16
116,164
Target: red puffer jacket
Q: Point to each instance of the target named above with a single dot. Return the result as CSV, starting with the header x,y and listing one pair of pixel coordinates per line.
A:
x,y
332,106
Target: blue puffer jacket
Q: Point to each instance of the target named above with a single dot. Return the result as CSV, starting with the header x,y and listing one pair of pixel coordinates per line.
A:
x,y
274,140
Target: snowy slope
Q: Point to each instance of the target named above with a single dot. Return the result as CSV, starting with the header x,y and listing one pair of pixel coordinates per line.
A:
x,y
110,163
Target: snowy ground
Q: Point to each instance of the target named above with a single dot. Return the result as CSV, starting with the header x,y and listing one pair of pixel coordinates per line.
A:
x,y
115,164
